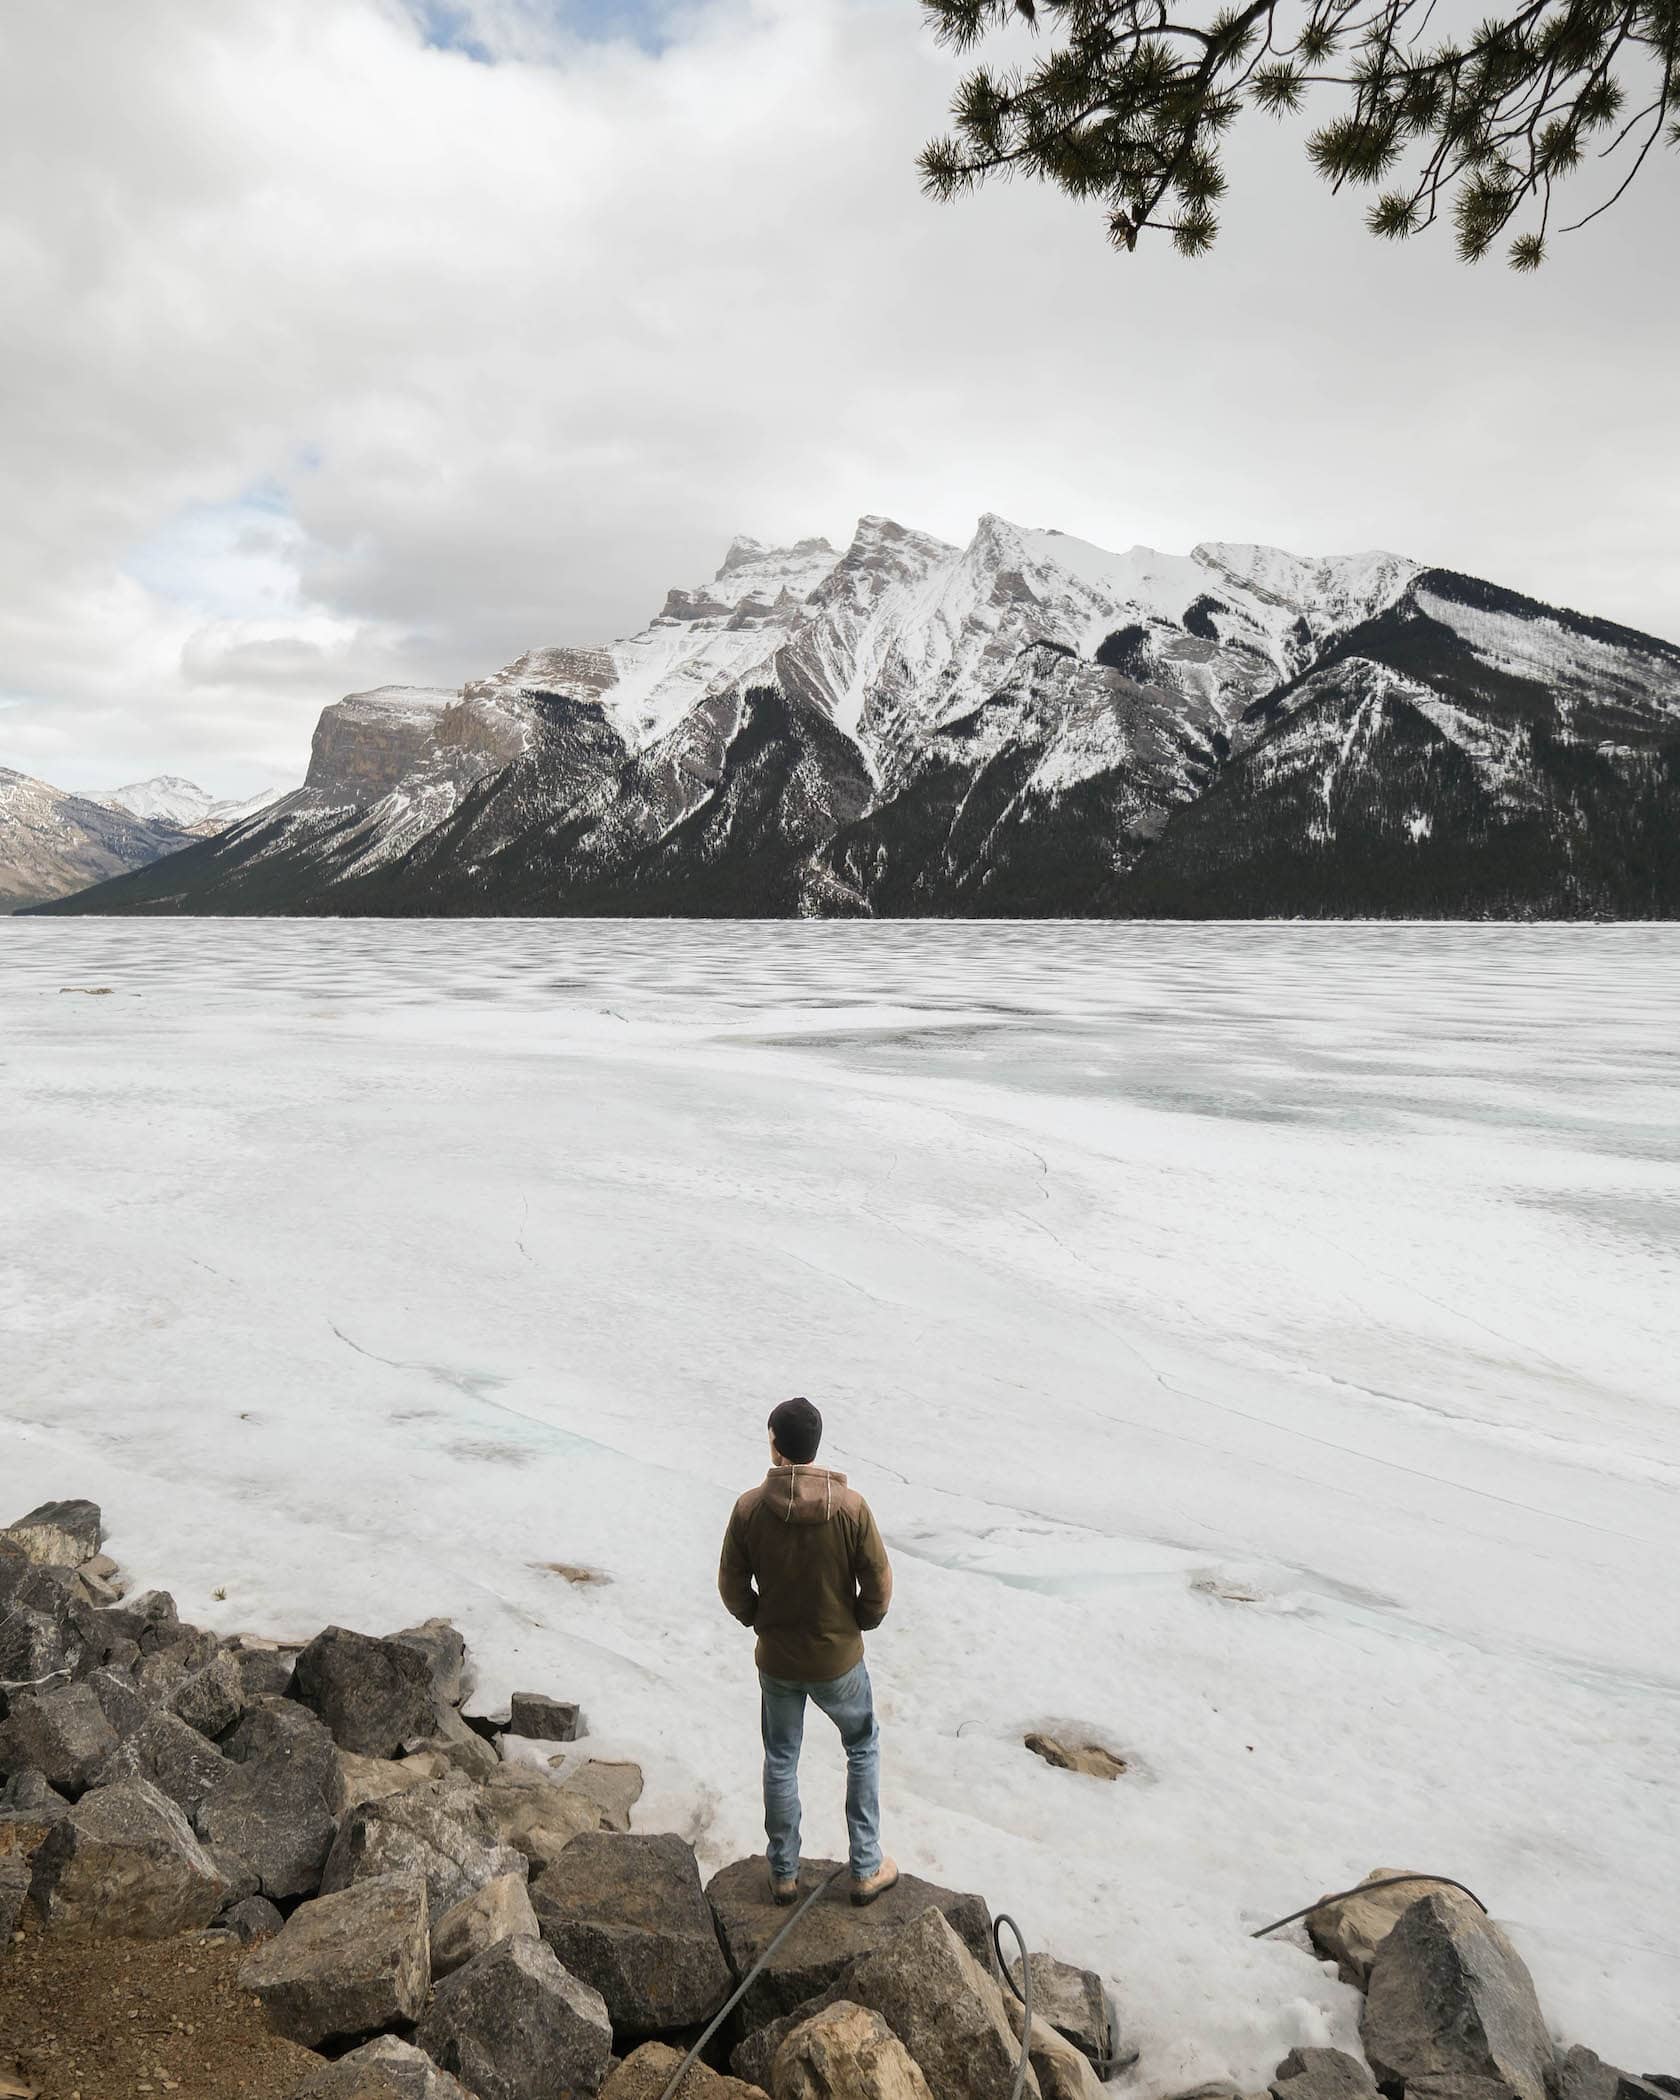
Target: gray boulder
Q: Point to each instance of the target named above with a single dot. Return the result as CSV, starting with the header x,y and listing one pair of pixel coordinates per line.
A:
x,y
456,1746
373,1695
347,1964
372,1778
175,1758
628,1915
535,1715
1581,2075
831,1935
62,1734
846,2052
445,1653
944,2007
252,1918
647,2071
265,1669
32,1654
14,1889
1072,2001
212,1699
538,1814
1450,2009
145,1620
29,1808
1350,1932
385,2069
1322,2074
124,1864
14,1566
614,1785
120,1703
58,1534
441,1830
501,1910
1063,2072
512,2024
270,1814
279,1731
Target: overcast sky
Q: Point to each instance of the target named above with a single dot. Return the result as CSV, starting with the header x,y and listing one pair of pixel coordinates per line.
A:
x,y
357,340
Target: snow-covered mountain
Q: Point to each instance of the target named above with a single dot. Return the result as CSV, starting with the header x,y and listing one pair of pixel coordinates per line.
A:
x,y
1029,724
53,843
168,799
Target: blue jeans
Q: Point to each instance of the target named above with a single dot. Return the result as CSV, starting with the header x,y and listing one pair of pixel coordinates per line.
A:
x,y
850,1705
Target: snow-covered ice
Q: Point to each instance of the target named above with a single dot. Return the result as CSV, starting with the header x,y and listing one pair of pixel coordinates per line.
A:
x,y
1257,1342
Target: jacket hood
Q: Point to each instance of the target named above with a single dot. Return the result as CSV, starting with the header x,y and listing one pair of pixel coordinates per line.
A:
x,y
803,1494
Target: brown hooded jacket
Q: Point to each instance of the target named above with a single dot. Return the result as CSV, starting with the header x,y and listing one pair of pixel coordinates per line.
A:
x,y
803,1565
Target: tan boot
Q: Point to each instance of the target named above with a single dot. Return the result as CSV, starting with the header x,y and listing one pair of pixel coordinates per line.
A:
x,y
784,1892
884,1877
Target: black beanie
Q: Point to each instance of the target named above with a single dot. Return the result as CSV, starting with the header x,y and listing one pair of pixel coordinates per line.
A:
x,y
797,1428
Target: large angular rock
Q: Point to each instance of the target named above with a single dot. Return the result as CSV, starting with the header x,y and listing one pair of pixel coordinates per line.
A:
x,y
212,1699
846,2052
628,1915
543,1719
1450,2009
445,1653
501,1910
441,1830
124,1864
1350,1932
14,1889
613,1784
62,1734
272,1816
373,1695
944,2007
831,1934
1580,2074
251,1918
29,1808
1062,2071
14,1566
647,2071
120,1703
1072,2001
512,2024
539,1815
1321,2074
346,1964
279,1731
457,1747
150,1619
385,2069
33,1654
265,1668
58,1534
372,1778
175,1758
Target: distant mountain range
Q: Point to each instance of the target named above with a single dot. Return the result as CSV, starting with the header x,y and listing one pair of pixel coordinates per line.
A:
x,y
1028,725
53,843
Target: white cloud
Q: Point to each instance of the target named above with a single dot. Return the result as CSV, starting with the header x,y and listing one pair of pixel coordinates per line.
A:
x,y
333,356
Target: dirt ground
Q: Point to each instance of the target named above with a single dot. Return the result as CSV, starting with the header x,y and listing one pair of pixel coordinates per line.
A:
x,y
121,2018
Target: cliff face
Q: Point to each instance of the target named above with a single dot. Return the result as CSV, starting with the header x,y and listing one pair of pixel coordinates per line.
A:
x,y
1026,725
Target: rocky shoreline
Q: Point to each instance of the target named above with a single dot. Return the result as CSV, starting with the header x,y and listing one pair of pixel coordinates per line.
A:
x,y
444,1905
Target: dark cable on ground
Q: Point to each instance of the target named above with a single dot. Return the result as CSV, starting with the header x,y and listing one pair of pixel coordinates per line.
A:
x,y
1369,1888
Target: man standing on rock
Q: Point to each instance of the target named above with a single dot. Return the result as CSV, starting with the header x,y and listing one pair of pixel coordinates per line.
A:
x,y
803,1565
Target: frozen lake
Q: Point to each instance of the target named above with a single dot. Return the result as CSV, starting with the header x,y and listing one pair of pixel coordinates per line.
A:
x,y
1259,1345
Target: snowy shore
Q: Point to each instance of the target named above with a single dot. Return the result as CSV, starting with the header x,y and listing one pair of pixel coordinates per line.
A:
x,y
1257,1344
